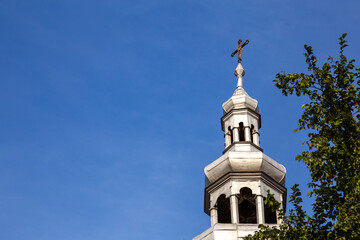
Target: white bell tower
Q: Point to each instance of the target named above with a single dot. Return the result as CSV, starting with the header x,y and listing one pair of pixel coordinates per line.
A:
x,y
237,182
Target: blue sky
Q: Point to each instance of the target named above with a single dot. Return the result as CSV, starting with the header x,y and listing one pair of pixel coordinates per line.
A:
x,y
110,109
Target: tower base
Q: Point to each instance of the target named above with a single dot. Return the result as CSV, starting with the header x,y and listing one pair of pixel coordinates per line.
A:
x,y
228,231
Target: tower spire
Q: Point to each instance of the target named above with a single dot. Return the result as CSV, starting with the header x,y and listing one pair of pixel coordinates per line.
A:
x,y
239,73
237,182
239,49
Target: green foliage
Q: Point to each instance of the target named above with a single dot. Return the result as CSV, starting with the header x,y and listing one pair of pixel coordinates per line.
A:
x,y
331,118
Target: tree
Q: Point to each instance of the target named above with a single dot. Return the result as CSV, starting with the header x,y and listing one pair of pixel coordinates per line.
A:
x,y
331,119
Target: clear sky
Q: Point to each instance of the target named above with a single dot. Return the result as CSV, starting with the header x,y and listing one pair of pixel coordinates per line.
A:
x,y
111,109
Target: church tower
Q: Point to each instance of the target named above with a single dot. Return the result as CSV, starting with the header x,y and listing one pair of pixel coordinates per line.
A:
x,y
237,182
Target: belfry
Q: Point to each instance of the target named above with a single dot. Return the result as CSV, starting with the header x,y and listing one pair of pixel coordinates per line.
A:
x,y
237,182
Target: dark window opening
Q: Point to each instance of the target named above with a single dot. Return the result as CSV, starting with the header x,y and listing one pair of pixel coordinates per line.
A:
x,y
247,206
241,132
270,215
223,208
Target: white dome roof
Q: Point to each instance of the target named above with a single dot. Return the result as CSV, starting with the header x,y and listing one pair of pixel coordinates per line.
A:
x,y
234,161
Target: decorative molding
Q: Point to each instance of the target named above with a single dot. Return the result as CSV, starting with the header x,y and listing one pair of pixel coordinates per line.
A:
x,y
240,110
242,142
244,175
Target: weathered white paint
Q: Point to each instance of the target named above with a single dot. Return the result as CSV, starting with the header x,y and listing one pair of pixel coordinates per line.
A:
x,y
247,134
260,209
214,216
256,138
237,161
234,204
236,134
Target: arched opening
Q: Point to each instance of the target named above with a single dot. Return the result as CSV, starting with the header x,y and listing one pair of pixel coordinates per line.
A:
x,y
223,208
231,134
247,206
252,133
241,132
270,215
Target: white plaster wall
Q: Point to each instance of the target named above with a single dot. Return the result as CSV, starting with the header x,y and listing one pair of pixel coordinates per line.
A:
x,y
227,232
246,118
277,194
233,186
224,189
244,161
239,184
228,235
